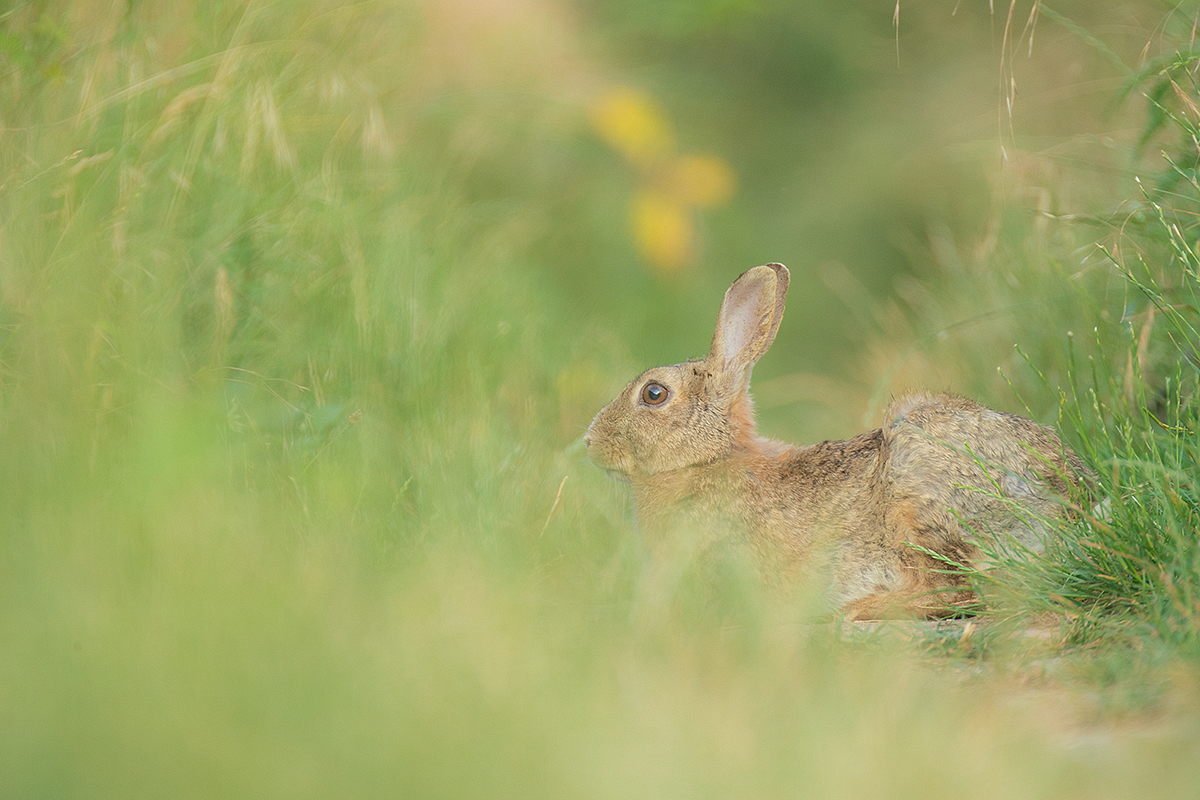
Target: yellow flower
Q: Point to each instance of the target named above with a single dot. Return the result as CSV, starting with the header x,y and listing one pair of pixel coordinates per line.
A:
x,y
672,186
703,181
631,122
663,230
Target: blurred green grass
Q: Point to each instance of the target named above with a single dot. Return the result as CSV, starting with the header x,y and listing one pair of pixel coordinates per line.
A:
x,y
304,306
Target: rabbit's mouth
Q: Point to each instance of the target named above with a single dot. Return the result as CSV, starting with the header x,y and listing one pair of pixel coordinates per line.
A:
x,y
619,475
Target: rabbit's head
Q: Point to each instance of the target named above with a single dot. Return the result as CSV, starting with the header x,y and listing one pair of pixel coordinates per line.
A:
x,y
697,412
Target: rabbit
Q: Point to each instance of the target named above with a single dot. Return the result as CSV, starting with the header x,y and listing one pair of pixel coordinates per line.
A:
x,y
883,516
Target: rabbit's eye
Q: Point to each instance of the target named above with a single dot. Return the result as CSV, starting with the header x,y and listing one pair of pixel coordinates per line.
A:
x,y
654,394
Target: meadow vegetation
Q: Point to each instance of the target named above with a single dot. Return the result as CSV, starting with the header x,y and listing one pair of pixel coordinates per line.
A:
x,y
304,307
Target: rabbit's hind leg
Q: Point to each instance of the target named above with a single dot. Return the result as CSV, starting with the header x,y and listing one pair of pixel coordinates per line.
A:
x,y
934,602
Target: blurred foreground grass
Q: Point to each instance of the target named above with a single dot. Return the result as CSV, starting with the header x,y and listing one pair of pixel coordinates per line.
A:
x,y
302,310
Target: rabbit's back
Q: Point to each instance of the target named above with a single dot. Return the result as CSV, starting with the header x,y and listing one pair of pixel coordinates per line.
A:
x,y
959,462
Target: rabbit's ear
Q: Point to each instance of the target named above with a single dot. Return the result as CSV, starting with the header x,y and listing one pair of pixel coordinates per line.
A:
x,y
746,324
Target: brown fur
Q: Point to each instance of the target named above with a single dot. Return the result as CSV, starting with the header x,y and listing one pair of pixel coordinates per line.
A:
x,y
852,512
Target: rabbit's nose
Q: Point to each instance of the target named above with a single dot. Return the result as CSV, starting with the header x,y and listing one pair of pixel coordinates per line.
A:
x,y
587,435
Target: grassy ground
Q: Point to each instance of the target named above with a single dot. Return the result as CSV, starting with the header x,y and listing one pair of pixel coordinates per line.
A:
x,y
303,308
